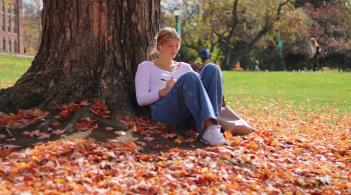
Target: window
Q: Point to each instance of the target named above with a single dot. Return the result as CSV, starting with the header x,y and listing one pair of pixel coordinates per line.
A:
x,y
3,6
14,24
3,44
15,49
13,8
3,22
9,25
10,46
9,8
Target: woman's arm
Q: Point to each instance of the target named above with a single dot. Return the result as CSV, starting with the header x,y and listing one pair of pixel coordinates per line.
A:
x,y
142,86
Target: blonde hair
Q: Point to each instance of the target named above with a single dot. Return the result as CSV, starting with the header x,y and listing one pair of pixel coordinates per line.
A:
x,y
163,36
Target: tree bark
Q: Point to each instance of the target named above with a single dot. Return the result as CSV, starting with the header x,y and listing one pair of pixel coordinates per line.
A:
x,y
227,46
89,49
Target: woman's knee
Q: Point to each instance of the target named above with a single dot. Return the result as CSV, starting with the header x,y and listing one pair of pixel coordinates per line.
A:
x,y
211,69
190,76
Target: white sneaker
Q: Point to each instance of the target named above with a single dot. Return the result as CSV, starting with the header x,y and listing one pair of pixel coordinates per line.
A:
x,y
213,136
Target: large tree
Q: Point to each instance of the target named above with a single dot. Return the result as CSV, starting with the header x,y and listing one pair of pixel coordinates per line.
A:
x,y
89,49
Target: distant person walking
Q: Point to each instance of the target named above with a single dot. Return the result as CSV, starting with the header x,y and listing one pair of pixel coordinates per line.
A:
x,y
257,65
315,50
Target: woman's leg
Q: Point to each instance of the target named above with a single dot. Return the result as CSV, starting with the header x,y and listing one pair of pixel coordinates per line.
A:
x,y
212,80
188,96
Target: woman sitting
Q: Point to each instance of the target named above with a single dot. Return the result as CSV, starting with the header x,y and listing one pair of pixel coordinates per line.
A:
x,y
176,93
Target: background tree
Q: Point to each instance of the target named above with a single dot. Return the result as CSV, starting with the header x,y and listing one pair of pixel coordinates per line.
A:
x,y
231,29
196,33
87,50
244,31
32,27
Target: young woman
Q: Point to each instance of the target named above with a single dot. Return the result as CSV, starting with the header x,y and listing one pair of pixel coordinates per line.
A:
x,y
175,92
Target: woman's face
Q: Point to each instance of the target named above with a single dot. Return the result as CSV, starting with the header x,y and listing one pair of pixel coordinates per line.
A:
x,y
170,48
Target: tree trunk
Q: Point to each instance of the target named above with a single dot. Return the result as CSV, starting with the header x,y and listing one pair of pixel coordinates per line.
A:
x,y
89,49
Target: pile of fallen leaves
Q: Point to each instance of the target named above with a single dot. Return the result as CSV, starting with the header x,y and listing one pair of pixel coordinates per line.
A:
x,y
22,118
25,118
291,153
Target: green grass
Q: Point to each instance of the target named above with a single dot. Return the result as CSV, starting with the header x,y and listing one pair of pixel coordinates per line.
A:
x,y
12,67
310,91
304,91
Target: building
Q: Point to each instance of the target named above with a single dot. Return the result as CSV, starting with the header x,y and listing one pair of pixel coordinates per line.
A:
x,y
11,32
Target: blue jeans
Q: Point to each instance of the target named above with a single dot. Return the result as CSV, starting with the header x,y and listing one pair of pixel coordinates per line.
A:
x,y
196,95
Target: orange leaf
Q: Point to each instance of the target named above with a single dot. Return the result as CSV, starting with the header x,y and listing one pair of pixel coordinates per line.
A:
x,y
129,146
228,135
235,141
233,186
252,145
178,140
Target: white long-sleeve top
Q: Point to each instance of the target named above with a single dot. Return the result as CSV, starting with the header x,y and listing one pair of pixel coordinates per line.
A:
x,y
149,79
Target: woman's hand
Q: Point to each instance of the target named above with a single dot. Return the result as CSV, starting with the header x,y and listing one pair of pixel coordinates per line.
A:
x,y
164,91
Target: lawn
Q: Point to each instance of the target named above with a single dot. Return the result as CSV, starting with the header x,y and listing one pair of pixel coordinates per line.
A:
x,y
11,68
309,91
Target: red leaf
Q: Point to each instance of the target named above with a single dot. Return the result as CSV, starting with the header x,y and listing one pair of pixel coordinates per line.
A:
x,y
66,110
56,124
100,109
85,124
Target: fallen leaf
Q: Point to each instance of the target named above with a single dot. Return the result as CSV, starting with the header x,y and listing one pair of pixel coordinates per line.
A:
x,y
44,136
233,186
58,132
108,128
120,133
84,103
99,108
56,124
149,138
178,140
169,135
85,124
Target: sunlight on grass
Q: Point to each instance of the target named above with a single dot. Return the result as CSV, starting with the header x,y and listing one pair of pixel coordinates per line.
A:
x,y
12,68
305,91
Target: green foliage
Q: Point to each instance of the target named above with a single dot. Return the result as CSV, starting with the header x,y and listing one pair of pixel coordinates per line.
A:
x,y
188,55
293,26
203,25
251,31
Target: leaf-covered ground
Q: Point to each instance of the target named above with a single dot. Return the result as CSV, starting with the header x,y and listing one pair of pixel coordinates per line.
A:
x,y
293,152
